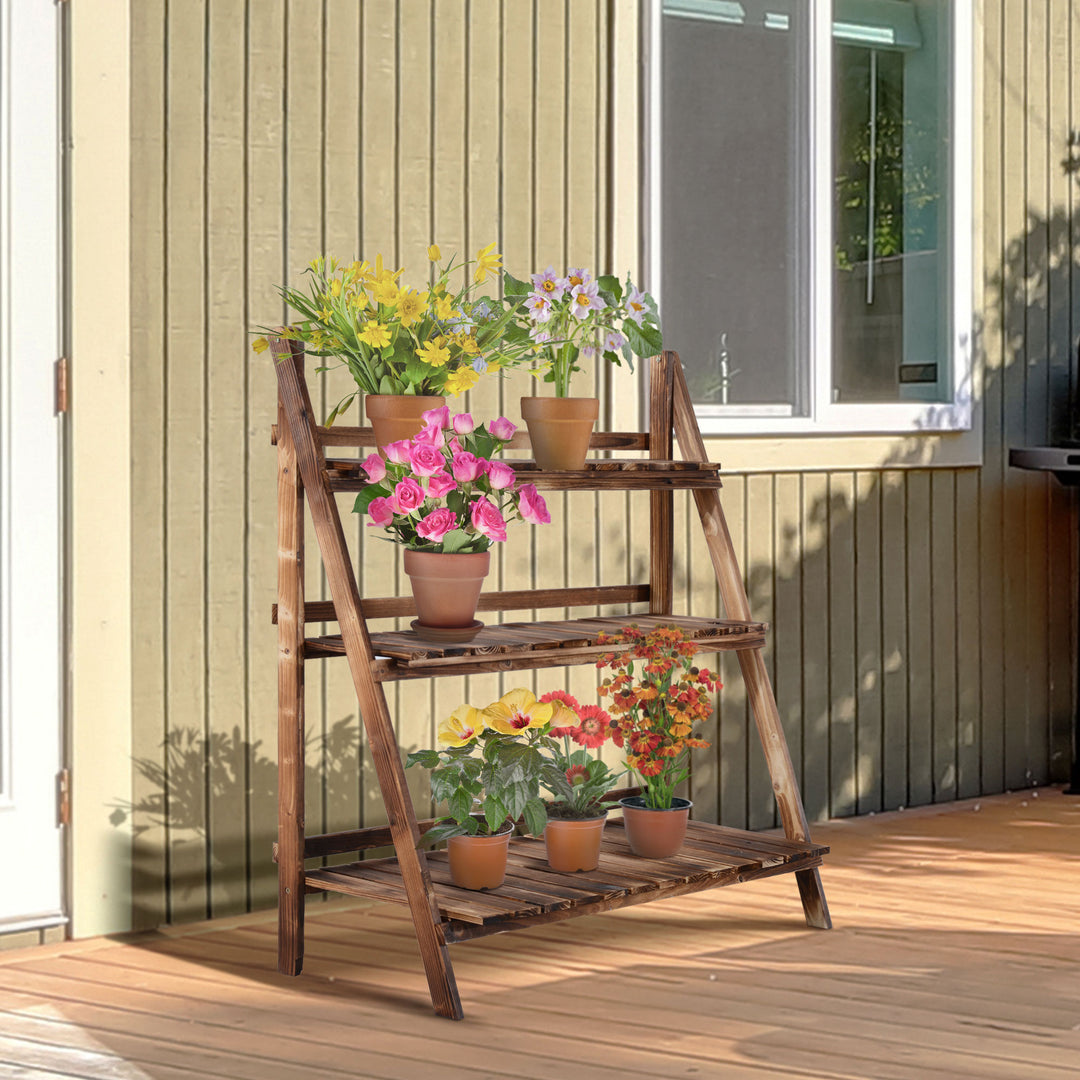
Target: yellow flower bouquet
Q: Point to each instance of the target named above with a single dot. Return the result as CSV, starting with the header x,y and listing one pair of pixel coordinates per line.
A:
x,y
400,340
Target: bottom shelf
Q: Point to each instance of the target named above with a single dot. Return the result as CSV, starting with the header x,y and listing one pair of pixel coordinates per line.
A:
x,y
533,893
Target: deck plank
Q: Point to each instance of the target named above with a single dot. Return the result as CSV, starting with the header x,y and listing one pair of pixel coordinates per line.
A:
x,y
954,956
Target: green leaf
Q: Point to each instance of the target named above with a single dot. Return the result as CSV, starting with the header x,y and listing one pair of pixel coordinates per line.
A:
x,y
456,540
443,831
386,385
494,812
512,286
644,340
610,284
429,759
535,816
459,805
366,498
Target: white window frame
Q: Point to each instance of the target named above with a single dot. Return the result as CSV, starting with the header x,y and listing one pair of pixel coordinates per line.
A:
x,y
824,416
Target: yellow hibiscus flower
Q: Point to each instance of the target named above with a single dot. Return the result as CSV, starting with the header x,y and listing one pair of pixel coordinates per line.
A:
x,y
462,726
487,260
517,711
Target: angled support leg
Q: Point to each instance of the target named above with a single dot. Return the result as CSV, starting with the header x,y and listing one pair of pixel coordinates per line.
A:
x,y
290,706
661,503
755,676
423,905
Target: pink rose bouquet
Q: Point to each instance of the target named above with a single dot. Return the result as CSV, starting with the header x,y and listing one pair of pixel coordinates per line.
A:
x,y
442,490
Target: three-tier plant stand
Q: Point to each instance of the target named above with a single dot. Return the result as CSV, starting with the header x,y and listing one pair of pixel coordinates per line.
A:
x,y
533,893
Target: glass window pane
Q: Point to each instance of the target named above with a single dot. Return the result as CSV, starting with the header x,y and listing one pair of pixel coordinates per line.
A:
x,y
734,92
890,277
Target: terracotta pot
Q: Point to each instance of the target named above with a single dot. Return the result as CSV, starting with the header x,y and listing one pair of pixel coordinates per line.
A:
x,y
655,834
559,430
574,844
397,416
446,587
479,862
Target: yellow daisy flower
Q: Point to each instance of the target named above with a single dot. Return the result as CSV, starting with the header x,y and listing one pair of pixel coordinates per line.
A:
x,y
444,308
385,291
260,344
375,334
517,711
433,253
410,306
462,726
457,382
487,260
434,352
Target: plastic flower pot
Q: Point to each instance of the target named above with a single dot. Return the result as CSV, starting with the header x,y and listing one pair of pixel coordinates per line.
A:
x,y
559,430
479,862
574,844
397,416
446,589
655,834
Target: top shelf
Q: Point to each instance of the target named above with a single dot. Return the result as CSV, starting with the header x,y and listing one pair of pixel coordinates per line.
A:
x,y
638,474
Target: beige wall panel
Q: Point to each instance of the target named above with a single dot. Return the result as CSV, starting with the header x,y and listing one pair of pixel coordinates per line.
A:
x,y
381,127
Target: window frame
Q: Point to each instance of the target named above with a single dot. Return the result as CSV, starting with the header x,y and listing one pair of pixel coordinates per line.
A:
x,y
824,416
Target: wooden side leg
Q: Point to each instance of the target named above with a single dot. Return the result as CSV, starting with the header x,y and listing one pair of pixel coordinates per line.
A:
x,y
427,920
290,707
785,785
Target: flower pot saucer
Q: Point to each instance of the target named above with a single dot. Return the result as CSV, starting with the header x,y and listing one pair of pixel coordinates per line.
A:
x,y
447,633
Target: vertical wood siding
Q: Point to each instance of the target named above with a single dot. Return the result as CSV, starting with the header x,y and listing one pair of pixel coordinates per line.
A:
x,y
923,619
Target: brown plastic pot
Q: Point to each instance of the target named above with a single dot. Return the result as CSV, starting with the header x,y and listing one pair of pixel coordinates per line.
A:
x,y
655,834
559,430
446,587
479,862
397,416
574,844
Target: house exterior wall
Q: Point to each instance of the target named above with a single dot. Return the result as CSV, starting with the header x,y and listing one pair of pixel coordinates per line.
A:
x,y
923,615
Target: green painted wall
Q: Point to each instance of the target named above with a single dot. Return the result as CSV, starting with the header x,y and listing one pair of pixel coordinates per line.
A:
x,y
923,616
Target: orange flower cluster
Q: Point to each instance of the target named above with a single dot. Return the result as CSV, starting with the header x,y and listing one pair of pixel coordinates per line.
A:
x,y
656,703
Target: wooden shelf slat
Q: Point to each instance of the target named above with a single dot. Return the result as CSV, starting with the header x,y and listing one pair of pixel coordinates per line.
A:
x,y
505,646
713,855
364,436
638,474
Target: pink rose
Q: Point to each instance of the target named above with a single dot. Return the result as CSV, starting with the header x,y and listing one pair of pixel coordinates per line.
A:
x,y
502,429
439,417
532,506
454,445
425,460
398,452
408,495
500,475
463,423
467,466
380,511
430,436
436,525
439,484
487,520
375,467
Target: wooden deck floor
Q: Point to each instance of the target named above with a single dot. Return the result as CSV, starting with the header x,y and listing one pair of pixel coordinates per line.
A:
x,y
956,953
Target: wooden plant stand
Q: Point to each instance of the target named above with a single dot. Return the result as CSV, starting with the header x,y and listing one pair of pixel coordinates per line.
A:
x,y
533,893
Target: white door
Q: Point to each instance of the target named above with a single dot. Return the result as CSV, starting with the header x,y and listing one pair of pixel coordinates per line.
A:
x,y
31,840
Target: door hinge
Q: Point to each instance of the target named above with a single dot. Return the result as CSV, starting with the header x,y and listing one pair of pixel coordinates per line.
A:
x,y
61,402
63,797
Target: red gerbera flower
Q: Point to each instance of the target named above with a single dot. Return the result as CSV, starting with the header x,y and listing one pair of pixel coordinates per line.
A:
x,y
577,774
594,729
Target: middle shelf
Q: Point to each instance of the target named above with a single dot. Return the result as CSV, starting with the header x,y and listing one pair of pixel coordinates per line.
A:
x,y
404,654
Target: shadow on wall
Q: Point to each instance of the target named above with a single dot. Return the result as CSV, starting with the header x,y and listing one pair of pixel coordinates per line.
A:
x,y
931,656
213,856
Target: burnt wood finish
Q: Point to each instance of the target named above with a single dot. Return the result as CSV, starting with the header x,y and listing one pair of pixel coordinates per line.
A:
x,y
299,416
290,708
751,662
662,503
533,893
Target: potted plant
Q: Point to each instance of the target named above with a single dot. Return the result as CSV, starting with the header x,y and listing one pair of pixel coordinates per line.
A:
x,y
446,500
577,782
487,771
570,318
404,347
657,695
